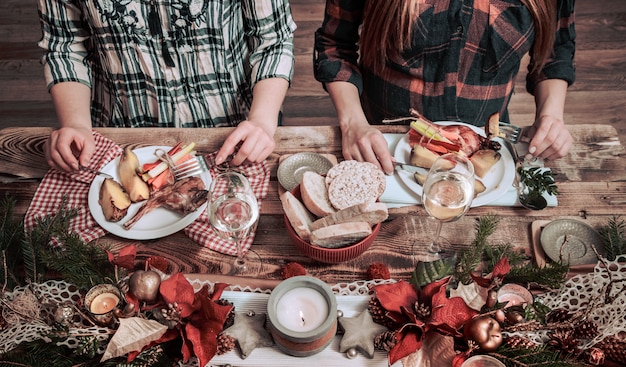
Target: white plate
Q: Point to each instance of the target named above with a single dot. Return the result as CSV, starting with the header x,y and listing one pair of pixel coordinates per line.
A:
x,y
158,223
497,181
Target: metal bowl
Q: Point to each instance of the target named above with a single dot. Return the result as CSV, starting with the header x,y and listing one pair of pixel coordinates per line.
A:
x,y
570,242
291,169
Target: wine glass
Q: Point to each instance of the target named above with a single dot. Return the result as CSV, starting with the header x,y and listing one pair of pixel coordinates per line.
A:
x,y
234,212
448,192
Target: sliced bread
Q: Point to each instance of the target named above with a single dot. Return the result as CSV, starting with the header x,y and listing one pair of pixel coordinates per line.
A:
x,y
298,215
339,235
371,213
315,194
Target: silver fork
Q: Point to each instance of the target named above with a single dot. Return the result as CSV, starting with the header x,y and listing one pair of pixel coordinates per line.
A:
x,y
510,132
194,166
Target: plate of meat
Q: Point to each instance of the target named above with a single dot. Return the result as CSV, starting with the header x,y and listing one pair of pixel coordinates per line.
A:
x,y
496,182
167,211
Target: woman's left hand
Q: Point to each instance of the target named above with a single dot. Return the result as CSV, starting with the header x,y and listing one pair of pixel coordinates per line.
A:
x,y
550,139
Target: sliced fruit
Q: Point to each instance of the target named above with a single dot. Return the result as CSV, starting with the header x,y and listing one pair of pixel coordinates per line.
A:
x,y
483,160
113,200
129,172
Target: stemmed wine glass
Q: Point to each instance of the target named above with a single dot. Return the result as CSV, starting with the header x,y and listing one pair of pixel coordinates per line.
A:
x,y
448,192
234,212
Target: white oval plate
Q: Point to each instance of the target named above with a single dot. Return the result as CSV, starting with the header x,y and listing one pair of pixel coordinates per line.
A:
x,y
158,223
497,181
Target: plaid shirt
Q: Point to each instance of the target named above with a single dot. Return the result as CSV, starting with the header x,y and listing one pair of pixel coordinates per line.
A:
x,y
463,63
216,51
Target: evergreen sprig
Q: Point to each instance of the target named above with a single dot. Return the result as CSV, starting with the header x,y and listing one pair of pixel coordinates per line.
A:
x,y
472,257
614,237
11,235
537,356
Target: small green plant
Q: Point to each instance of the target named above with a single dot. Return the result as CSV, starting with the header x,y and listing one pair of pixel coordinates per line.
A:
x,y
537,180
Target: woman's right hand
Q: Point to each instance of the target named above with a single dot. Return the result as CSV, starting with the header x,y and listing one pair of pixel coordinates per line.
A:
x,y
69,147
365,143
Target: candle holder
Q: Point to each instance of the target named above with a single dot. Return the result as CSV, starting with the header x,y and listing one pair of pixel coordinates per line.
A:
x,y
101,301
302,314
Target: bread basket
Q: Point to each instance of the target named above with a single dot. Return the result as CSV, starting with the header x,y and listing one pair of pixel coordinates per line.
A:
x,y
329,255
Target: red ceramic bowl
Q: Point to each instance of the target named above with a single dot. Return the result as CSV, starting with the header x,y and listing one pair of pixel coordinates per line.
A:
x,y
329,255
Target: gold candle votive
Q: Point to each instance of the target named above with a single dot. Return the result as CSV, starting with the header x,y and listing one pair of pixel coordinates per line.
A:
x,y
302,314
101,301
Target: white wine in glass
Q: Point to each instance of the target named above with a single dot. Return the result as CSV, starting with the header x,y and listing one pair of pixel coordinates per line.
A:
x,y
448,192
234,213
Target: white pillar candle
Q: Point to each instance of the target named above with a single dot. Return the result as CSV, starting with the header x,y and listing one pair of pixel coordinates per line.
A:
x,y
104,303
302,309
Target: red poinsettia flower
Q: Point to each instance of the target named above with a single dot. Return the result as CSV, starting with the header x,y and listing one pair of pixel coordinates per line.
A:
x,y
498,272
125,258
399,299
202,319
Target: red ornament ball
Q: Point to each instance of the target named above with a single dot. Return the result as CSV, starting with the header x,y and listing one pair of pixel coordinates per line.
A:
x,y
292,269
378,271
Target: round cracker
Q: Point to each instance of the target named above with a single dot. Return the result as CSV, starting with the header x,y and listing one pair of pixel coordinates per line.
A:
x,y
356,187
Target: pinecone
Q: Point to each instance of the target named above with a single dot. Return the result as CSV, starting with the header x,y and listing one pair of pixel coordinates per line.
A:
x,y
385,341
379,314
564,340
586,329
230,319
614,348
519,342
225,343
558,315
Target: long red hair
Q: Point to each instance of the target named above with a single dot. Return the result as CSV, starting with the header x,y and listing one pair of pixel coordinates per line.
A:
x,y
394,19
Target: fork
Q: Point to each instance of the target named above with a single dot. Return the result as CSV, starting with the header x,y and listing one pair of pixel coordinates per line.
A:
x,y
193,166
510,132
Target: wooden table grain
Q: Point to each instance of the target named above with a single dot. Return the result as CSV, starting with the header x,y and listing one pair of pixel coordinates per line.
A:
x,y
591,182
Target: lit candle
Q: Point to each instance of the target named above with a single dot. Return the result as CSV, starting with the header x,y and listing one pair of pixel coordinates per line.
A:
x,y
100,301
302,309
104,303
302,313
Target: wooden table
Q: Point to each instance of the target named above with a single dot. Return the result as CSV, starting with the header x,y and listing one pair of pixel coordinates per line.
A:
x,y
591,181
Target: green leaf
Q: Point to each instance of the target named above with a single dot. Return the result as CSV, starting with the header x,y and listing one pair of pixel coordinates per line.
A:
x,y
429,271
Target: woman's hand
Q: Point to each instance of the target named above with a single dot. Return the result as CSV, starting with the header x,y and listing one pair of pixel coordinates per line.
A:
x,y
252,142
69,147
362,142
550,138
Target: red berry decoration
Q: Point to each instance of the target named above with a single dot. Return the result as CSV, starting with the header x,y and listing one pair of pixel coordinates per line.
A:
x,y
378,271
292,269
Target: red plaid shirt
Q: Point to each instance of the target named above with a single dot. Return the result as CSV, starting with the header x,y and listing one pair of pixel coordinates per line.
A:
x,y
463,63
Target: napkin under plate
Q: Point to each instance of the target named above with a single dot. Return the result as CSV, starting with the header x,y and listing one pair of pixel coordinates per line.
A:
x,y
397,194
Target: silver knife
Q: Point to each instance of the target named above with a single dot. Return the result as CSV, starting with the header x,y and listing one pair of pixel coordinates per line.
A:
x,y
410,168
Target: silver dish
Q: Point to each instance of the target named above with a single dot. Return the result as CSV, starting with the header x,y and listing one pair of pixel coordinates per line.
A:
x,y
291,169
570,241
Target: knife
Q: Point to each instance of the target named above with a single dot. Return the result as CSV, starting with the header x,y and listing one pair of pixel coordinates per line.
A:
x,y
410,168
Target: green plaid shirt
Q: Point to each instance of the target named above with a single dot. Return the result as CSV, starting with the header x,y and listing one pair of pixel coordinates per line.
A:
x,y
463,63
195,67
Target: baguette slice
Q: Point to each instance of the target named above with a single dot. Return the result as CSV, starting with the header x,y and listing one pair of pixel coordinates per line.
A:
x,y
371,213
338,235
297,214
315,194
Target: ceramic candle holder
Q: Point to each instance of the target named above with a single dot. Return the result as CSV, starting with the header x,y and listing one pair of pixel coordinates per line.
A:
x,y
101,302
302,314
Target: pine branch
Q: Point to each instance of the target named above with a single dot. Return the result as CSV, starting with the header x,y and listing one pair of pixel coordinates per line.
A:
x,y
614,237
538,356
11,235
471,258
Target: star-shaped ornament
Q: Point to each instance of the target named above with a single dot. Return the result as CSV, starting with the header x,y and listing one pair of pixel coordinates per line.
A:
x,y
249,332
359,333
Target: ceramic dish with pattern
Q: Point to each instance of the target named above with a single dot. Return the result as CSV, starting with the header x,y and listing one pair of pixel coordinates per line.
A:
x,y
291,169
158,223
571,241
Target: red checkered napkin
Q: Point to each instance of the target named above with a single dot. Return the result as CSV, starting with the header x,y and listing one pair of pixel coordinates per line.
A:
x,y
74,187
201,231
